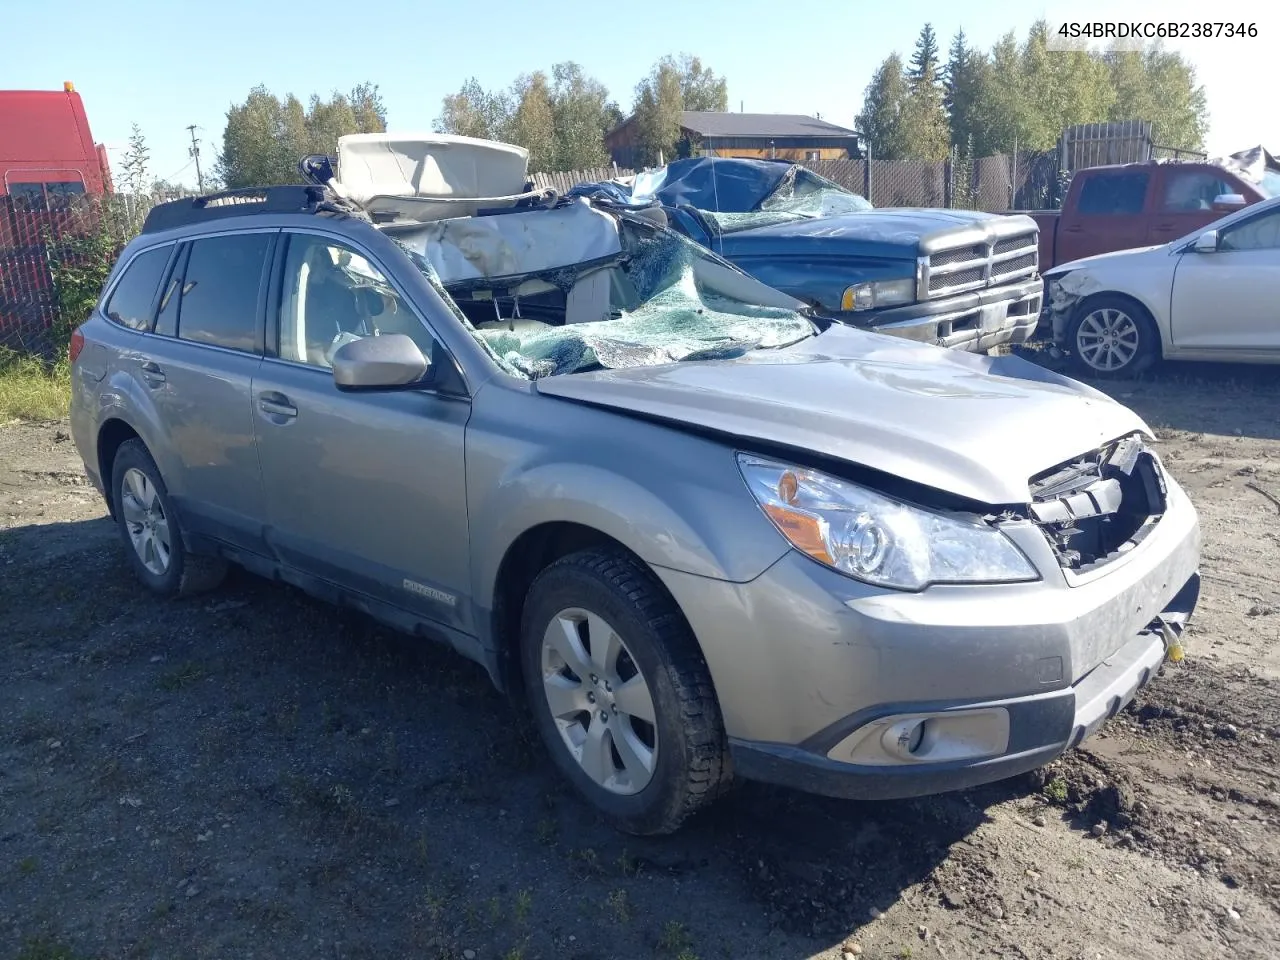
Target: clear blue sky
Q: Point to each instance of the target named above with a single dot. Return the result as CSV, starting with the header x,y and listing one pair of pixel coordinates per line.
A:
x,y
164,65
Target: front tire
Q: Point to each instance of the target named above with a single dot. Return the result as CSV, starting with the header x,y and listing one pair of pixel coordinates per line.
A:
x,y
151,531
1112,337
620,692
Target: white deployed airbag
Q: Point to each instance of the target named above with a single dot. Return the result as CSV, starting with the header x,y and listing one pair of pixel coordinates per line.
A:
x,y
511,244
423,176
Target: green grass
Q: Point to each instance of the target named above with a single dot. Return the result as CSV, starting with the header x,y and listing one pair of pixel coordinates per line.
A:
x,y
1056,790
31,389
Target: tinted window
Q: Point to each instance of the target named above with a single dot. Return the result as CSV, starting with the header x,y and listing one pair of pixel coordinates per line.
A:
x,y
68,188
1257,233
332,294
59,196
1113,193
134,297
27,196
1187,191
219,302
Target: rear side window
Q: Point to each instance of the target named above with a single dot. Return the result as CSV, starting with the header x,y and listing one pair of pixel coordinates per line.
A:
x,y
134,298
1114,194
219,300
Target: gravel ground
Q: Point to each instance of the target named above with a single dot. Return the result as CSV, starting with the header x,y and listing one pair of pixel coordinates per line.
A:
x,y
253,774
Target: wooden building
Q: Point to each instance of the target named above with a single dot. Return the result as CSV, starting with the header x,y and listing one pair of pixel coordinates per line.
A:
x,y
784,136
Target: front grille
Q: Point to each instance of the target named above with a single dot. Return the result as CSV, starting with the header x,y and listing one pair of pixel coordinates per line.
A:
x,y
958,255
964,277
1007,268
974,266
1095,509
1014,243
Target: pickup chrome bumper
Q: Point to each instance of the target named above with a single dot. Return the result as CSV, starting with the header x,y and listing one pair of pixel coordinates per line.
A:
x,y
976,321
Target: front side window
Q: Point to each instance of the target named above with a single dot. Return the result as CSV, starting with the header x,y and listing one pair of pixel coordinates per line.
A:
x,y
1188,191
1114,194
132,301
331,295
1257,233
219,298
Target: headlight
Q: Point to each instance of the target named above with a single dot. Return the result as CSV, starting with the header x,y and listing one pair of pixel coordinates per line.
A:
x,y
879,293
876,539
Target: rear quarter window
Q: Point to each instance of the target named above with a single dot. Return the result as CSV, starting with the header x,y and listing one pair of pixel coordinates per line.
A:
x,y
132,302
1114,194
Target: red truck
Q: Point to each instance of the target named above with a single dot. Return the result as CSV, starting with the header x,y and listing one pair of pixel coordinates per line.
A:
x,y
47,160
46,149
1144,204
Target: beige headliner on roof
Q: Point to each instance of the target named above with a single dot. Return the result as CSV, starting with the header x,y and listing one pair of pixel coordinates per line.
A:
x,y
427,166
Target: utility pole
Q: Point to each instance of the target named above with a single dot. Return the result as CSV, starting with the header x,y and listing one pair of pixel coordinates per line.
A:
x,y
195,152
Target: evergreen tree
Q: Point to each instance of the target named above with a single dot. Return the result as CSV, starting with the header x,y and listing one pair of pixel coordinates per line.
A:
x,y
924,62
922,125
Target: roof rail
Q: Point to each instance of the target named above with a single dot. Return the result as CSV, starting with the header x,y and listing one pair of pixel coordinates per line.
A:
x,y
293,198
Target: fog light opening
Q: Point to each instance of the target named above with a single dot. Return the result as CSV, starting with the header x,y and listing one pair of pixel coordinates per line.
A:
x,y
911,737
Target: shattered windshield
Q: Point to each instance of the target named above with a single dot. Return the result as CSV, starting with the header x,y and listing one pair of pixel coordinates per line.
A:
x,y
1270,185
660,310
801,195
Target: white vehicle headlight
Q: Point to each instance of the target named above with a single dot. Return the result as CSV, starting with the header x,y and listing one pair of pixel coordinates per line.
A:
x,y
879,293
876,539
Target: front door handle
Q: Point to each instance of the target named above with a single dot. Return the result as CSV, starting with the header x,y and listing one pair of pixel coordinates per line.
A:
x,y
152,373
277,404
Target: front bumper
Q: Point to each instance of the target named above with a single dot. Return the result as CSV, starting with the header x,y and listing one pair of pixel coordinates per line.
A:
x,y
1040,728
976,321
809,665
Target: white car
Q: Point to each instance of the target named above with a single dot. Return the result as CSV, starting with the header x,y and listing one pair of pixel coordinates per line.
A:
x,y
1211,295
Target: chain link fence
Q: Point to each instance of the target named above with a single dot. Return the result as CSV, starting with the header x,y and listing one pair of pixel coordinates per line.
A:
x,y
53,255
1027,180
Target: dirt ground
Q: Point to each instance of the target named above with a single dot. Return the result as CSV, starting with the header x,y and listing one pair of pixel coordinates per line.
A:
x,y
252,774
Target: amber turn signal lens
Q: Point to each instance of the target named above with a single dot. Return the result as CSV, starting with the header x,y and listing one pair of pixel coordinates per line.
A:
x,y
802,530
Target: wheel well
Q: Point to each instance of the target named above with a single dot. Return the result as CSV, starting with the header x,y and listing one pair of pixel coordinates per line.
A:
x,y
112,434
531,553
1093,298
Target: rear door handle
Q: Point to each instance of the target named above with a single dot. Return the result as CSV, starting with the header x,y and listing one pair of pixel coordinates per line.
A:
x,y
277,404
152,373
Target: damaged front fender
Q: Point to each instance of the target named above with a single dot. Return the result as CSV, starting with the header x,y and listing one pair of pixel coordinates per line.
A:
x,y
1064,293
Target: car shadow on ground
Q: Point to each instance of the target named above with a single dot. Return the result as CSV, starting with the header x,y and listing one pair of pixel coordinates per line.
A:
x,y
1232,399
342,763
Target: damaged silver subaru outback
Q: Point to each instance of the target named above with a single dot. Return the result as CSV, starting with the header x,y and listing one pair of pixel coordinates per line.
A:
x,y
700,534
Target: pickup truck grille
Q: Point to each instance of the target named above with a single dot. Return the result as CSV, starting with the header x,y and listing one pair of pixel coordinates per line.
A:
x,y
978,265
1100,506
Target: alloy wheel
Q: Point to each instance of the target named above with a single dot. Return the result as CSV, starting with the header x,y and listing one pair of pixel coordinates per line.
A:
x,y
1108,339
600,701
145,521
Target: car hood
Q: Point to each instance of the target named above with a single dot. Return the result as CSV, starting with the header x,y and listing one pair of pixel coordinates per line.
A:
x,y
1102,259
979,427
889,232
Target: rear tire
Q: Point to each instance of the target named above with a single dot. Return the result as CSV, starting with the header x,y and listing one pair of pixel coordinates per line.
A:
x,y
620,692
151,531
1112,337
